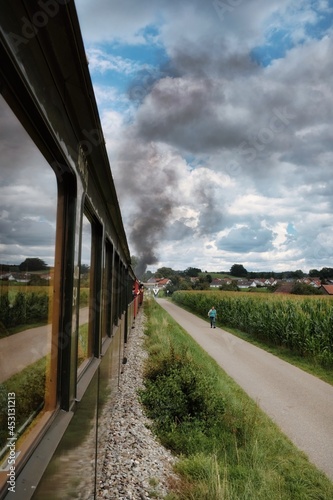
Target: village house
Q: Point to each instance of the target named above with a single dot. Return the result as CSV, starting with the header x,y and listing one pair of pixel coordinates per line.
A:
x,y
327,289
157,283
17,277
216,283
315,282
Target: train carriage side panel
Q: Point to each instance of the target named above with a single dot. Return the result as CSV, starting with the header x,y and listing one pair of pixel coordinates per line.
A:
x,y
50,91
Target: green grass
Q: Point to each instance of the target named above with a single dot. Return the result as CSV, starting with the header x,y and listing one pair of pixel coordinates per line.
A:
x,y
83,343
243,456
308,365
29,388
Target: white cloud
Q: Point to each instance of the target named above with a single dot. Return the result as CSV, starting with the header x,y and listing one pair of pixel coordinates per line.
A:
x,y
101,61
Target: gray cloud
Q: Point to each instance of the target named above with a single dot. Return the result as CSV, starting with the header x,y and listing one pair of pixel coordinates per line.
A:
x,y
179,112
28,193
178,231
247,239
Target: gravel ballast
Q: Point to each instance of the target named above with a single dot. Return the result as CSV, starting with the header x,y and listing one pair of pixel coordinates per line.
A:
x,y
136,466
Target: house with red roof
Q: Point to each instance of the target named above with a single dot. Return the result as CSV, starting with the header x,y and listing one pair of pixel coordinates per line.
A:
x,y
327,289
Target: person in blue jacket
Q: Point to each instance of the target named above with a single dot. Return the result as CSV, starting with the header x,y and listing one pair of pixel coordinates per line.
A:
x,y
212,316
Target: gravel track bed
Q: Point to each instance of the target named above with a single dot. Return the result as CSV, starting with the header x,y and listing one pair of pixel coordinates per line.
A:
x,y
136,466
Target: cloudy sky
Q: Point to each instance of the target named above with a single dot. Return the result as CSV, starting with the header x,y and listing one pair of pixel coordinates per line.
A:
x,y
28,195
218,119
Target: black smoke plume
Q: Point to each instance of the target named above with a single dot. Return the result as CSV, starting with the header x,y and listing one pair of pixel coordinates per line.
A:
x,y
146,182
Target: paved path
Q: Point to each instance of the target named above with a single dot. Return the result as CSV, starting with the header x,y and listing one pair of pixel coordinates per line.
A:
x,y
299,403
24,348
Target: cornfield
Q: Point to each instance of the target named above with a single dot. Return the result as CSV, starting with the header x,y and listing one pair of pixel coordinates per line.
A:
x,y
303,325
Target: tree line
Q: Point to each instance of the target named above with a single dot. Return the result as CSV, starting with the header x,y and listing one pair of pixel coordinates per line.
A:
x,y
28,265
239,271
181,280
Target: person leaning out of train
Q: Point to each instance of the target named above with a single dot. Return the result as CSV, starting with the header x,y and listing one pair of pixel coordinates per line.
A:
x,y
212,316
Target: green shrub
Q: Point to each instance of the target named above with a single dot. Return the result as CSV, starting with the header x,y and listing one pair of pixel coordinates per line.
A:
x,y
84,297
177,395
25,308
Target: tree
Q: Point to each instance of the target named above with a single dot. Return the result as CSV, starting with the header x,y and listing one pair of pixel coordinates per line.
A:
x,y
185,285
238,270
192,271
84,269
164,272
303,289
201,284
33,264
146,276
326,273
232,287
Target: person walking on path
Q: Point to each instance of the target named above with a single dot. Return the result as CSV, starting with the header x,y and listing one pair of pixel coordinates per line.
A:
x,y
212,316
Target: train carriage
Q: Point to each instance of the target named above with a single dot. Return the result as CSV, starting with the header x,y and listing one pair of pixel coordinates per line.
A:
x,y
57,378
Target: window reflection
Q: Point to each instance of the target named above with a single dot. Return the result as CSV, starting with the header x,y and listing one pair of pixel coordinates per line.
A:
x,y
84,334
107,292
28,200
116,288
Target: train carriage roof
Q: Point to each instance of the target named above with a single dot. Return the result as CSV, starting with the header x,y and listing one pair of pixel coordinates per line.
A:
x,y
44,72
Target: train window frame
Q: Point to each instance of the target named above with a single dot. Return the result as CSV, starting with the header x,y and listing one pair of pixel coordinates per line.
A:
x,y
115,289
65,196
95,284
107,291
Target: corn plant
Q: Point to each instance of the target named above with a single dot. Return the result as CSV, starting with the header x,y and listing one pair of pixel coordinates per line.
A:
x,y
303,325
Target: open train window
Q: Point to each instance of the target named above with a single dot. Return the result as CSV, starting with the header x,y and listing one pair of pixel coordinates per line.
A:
x,y
28,345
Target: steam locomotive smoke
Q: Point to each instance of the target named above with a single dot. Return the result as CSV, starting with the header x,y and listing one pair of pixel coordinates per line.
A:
x,y
149,171
147,232
147,186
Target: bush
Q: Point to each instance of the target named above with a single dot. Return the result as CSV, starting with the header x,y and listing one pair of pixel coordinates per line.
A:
x,y
177,395
26,308
304,289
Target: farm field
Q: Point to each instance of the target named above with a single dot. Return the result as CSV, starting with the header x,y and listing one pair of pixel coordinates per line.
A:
x,y
303,325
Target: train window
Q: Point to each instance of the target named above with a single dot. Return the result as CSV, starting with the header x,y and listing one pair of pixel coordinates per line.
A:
x,y
28,201
84,350
122,288
107,291
116,290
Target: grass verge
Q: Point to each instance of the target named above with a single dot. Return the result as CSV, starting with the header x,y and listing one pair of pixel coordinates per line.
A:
x,y
227,447
306,364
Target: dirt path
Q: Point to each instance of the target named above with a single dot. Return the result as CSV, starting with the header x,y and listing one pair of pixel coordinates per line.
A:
x,y
299,403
